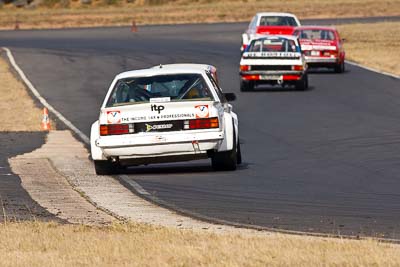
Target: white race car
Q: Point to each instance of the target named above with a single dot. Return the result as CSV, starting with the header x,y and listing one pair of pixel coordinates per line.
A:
x,y
269,23
209,68
165,114
275,60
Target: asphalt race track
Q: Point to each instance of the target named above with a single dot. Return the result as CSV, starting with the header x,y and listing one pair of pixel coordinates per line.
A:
x,y
324,160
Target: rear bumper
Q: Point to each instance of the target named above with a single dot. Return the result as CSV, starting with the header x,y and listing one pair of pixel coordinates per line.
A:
x,y
271,72
321,61
159,144
271,75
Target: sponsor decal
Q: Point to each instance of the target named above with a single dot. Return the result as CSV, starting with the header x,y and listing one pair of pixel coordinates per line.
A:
x,y
158,108
188,115
324,47
134,118
201,111
160,99
272,54
158,127
176,116
306,47
114,116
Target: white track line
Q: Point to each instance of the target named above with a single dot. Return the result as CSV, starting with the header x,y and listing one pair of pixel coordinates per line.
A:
x,y
135,185
42,100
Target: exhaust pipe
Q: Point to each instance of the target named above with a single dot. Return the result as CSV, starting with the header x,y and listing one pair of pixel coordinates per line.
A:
x,y
114,159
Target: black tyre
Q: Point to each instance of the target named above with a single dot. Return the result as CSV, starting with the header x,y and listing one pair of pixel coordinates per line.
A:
x,y
227,160
302,84
239,154
105,167
339,68
246,86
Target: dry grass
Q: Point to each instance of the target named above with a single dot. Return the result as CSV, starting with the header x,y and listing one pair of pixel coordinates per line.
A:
x,y
188,11
376,45
19,110
41,244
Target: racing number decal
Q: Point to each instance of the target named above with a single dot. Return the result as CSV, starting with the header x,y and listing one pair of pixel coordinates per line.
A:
x,y
114,116
201,111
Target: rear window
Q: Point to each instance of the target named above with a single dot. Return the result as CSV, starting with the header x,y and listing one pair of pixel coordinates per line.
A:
x,y
315,34
173,87
273,45
277,21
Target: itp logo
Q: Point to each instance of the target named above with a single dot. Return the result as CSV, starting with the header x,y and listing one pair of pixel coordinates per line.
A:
x,y
114,116
158,108
202,111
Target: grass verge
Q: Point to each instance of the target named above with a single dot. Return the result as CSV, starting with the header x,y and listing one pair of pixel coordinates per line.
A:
x,y
19,111
376,45
187,11
49,244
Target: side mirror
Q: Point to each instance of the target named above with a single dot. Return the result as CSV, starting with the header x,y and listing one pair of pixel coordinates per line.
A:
x,y
343,39
230,97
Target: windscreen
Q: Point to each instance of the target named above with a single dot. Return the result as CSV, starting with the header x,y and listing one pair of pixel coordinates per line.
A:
x,y
316,34
173,87
277,21
273,45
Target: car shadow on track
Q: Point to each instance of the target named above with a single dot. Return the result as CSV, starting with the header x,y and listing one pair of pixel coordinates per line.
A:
x,y
276,89
177,168
325,71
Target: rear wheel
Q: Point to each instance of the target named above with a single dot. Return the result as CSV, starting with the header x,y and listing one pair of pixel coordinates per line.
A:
x,y
105,167
302,84
246,86
227,160
339,68
239,153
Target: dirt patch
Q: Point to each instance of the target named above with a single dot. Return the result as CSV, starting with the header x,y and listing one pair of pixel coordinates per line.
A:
x,y
51,190
15,203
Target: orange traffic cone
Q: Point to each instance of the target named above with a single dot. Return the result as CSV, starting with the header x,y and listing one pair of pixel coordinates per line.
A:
x,y
45,121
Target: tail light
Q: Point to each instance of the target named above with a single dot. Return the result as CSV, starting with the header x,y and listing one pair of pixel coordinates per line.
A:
x,y
116,129
329,53
245,67
206,123
251,77
291,77
297,67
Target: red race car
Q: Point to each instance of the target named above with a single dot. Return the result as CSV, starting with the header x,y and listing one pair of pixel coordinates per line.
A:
x,y
322,47
269,23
